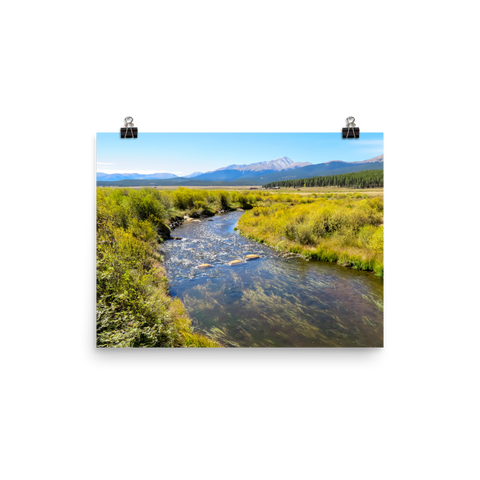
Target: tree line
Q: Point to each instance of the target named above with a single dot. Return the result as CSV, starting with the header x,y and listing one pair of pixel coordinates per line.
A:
x,y
365,179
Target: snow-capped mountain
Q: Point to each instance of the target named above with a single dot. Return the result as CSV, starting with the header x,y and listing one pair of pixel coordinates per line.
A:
x,y
234,172
277,165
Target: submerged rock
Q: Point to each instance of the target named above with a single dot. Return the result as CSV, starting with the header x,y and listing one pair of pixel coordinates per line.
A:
x,y
290,255
251,257
235,262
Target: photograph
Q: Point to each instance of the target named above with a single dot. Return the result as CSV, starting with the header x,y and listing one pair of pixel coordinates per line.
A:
x,y
231,240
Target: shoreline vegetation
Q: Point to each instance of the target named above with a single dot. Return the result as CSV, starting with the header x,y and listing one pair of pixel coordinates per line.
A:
x,y
342,228
134,307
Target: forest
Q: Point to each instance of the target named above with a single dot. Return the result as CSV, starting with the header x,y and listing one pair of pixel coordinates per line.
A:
x,y
365,179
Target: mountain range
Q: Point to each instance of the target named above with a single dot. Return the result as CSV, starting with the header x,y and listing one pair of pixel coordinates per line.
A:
x,y
232,172
236,172
260,173
113,177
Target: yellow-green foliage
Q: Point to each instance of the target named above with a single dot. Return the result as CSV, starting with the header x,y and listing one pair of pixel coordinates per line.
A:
x,y
206,202
343,228
134,308
376,242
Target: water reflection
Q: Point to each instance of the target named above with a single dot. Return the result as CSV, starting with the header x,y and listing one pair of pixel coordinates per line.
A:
x,y
270,301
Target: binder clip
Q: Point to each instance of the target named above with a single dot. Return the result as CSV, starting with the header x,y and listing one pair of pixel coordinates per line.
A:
x,y
351,128
129,127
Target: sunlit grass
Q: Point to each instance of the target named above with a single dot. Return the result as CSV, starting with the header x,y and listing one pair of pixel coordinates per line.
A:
x,y
345,229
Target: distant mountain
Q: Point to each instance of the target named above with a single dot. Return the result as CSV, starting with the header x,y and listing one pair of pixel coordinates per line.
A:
x,y
194,174
230,175
378,159
112,177
235,172
334,167
282,163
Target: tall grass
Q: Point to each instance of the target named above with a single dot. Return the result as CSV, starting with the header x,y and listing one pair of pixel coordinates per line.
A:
x,y
346,229
134,308
214,200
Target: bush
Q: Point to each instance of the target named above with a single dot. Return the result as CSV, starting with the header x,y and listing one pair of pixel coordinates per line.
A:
x,y
209,212
365,234
378,269
345,236
199,205
145,205
376,240
305,235
377,204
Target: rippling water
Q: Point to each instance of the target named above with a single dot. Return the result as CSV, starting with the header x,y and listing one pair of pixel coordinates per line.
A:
x,y
271,301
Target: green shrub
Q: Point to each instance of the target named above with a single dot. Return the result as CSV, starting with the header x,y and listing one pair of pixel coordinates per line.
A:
x,y
345,236
378,269
376,240
365,234
344,259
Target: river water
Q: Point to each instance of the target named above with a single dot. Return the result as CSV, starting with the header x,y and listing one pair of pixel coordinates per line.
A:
x,y
271,301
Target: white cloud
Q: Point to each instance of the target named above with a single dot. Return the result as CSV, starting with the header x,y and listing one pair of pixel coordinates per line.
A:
x,y
100,163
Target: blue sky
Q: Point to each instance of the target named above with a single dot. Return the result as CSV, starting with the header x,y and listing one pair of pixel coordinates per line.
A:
x,y
184,153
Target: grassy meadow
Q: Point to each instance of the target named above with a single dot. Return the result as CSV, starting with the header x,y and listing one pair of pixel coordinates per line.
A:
x,y
371,192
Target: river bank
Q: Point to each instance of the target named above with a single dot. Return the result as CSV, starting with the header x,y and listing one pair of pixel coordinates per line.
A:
x,y
321,254
134,305
344,229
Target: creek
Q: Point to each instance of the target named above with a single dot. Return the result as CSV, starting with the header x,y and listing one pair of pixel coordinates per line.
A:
x,y
276,300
